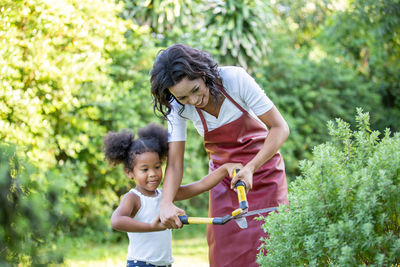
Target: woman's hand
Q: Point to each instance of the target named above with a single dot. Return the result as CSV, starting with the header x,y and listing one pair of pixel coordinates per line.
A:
x,y
244,175
169,215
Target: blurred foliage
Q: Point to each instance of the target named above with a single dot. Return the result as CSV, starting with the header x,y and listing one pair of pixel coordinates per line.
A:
x,y
344,207
73,70
169,21
310,90
242,29
160,16
28,218
369,42
54,84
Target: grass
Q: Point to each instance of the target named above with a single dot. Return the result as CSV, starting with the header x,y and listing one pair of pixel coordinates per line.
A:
x,y
189,248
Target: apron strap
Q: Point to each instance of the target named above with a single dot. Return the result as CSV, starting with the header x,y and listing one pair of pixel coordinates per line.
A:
x,y
203,121
221,88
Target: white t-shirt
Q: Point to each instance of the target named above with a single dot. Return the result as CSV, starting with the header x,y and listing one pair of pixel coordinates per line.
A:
x,y
151,247
240,86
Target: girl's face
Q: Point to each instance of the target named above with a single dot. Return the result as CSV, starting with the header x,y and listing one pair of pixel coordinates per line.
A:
x,y
147,173
191,92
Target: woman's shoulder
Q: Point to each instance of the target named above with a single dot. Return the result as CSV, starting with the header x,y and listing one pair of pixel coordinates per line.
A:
x,y
231,72
233,78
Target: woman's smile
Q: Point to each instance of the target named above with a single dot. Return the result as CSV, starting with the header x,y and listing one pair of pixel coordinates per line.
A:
x,y
201,104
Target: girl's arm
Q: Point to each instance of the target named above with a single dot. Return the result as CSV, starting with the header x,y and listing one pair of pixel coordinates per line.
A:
x,y
278,133
121,218
207,182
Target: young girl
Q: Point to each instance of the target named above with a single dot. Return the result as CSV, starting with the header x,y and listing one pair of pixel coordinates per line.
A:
x,y
138,211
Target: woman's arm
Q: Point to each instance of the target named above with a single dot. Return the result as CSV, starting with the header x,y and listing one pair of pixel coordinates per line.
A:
x,y
121,218
278,133
172,180
207,182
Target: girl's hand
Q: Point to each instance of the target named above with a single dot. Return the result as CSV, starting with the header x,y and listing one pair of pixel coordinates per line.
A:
x,y
230,167
246,176
157,225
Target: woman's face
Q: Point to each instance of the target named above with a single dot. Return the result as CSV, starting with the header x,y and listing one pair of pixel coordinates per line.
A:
x,y
191,92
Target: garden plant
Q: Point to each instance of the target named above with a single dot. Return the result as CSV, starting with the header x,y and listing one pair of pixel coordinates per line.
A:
x,y
344,208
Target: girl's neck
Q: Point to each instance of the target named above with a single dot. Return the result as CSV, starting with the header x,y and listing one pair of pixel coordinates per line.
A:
x,y
147,193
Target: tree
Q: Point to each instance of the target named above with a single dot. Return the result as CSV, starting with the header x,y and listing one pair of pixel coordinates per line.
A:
x,y
169,21
64,85
240,31
368,41
310,90
28,214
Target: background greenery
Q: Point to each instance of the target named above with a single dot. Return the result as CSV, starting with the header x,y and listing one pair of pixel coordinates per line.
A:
x,y
73,70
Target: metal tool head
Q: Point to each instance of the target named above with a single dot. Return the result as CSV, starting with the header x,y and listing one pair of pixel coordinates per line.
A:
x,y
241,221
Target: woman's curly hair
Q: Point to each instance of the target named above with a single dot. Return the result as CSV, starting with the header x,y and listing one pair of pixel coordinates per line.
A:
x,y
175,63
122,147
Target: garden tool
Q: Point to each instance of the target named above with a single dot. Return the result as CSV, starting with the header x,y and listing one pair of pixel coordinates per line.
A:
x,y
238,215
240,218
216,221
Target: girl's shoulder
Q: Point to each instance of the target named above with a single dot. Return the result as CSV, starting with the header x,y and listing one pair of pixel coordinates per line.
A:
x,y
132,196
139,195
130,201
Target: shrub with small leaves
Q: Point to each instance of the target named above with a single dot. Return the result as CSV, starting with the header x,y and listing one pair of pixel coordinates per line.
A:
x,y
344,207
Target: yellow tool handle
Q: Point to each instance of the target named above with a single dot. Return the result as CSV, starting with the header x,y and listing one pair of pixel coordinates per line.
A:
x,y
199,220
237,212
241,192
195,220
204,220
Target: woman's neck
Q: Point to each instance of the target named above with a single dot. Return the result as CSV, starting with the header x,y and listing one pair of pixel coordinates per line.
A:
x,y
213,107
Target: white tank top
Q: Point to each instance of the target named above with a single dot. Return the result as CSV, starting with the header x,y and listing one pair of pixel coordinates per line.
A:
x,y
151,247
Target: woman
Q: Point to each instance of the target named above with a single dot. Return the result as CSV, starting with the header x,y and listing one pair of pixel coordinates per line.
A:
x,y
239,124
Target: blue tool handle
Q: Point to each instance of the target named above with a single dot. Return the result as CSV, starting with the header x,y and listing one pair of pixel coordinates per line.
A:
x,y
240,183
184,219
221,220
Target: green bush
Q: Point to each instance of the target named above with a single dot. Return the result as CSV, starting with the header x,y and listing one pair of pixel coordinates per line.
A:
x,y
344,208
28,215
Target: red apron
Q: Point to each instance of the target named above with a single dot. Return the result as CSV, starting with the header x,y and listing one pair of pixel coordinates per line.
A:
x,y
239,141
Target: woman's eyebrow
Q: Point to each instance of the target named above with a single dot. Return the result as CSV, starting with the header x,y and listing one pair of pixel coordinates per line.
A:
x,y
191,90
194,87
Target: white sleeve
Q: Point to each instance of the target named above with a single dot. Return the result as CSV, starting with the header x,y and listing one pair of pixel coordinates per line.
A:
x,y
252,94
176,125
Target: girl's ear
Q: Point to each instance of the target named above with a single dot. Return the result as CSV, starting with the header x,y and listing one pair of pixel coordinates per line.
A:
x,y
128,173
